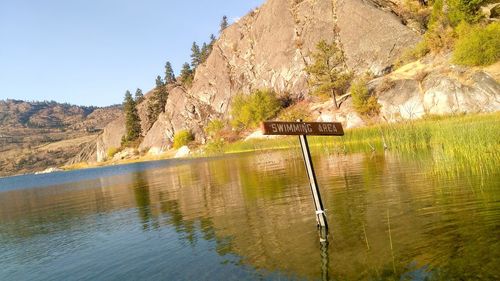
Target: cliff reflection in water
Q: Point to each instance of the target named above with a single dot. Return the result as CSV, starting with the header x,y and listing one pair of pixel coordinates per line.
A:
x,y
389,217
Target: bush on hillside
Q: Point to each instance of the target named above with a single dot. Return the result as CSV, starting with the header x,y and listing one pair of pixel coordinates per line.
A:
x,y
294,112
214,128
249,110
182,138
477,45
112,151
363,102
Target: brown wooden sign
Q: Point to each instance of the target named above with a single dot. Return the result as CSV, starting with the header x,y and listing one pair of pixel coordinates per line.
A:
x,y
303,128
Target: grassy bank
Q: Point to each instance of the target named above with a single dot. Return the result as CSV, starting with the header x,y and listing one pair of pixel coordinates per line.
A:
x,y
460,141
456,143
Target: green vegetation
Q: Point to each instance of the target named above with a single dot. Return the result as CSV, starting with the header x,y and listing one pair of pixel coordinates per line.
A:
x,y
169,73
214,128
195,55
328,74
477,45
223,24
132,121
182,138
363,102
295,112
457,142
111,152
454,25
187,75
464,11
139,96
249,110
157,102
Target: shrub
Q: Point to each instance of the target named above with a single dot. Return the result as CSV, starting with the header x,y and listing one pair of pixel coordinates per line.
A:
x,y
413,9
215,146
364,103
112,151
214,128
294,112
412,54
182,138
439,37
464,10
477,45
249,110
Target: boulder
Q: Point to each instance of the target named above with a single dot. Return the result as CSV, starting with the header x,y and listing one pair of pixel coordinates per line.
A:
x,y
110,138
182,152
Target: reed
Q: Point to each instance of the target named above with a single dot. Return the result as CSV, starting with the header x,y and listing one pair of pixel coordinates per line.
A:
x,y
456,143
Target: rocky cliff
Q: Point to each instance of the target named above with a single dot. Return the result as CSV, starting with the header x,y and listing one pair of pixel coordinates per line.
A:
x,y
270,47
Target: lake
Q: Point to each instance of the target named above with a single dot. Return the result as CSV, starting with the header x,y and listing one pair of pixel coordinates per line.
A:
x,y
251,216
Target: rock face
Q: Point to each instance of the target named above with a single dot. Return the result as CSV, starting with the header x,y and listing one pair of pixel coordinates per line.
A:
x,y
270,48
439,94
110,138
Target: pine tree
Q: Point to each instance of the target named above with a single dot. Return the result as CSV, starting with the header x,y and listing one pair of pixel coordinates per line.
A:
x,y
159,82
328,74
212,41
161,99
195,55
169,74
139,96
223,24
132,120
187,75
205,52
158,101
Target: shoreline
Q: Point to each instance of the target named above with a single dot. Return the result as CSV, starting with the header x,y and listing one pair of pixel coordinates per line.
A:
x,y
437,132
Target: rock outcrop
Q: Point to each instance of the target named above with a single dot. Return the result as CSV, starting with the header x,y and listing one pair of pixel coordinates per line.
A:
x,y
270,48
110,138
444,89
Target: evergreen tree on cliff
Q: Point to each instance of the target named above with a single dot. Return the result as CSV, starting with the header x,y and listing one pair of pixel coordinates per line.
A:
x,y
205,52
212,42
187,75
161,95
169,73
157,102
328,74
132,120
139,96
195,55
223,24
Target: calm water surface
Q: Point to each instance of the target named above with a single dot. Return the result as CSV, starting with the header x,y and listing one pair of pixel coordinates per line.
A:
x,y
250,217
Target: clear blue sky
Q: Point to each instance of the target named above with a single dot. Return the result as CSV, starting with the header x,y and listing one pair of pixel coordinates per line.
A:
x,y
89,52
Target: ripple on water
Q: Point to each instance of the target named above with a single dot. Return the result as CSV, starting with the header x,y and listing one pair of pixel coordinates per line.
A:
x,y
251,217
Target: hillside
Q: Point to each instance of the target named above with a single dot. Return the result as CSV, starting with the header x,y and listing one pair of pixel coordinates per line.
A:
x,y
38,135
271,47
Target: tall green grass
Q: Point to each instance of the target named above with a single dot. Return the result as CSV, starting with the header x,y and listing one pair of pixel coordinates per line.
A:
x,y
456,143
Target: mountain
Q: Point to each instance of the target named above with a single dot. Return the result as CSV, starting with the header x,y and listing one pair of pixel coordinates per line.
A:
x,y
37,135
270,47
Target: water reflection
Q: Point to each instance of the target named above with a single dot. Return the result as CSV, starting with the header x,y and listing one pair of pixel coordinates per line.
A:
x,y
252,217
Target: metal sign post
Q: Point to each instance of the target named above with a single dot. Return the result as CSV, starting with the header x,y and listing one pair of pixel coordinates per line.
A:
x,y
318,204
302,129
